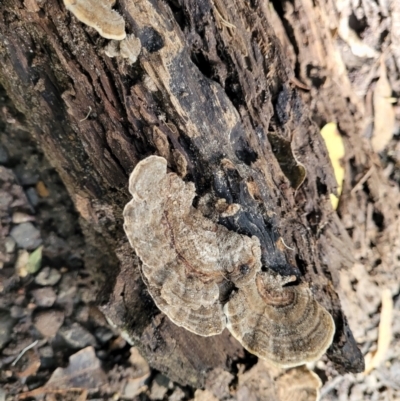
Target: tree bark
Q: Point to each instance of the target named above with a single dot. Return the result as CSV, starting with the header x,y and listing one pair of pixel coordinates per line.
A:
x,y
212,82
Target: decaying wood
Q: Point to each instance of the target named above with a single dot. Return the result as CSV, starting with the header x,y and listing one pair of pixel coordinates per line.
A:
x,y
214,93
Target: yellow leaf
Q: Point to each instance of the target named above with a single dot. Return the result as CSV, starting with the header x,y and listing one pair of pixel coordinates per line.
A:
x,y
335,146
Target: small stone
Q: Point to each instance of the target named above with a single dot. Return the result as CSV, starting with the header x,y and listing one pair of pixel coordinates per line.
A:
x,y
77,336
44,297
3,155
55,246
138,363
26,176
48,322
9,244
21,263
103,334
32,196
134,386
82,314
159,387
47,360
26,235
20,299
46,351
204,395
83,371
218,382
19,217
117,343
102,354
2,395
48,276
97,317
6,326
5,200
68,295
177,395
17,312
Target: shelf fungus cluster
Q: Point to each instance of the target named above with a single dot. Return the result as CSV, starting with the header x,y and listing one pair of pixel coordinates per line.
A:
x,y
189,261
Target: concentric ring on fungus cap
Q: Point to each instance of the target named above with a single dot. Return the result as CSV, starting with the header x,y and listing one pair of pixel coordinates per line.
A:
x,y
284,325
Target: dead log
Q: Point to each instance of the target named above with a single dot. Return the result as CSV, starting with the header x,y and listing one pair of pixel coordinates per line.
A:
x,y
212,84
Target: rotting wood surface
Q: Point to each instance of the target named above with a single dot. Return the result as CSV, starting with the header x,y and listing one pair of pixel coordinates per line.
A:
x,y
220,88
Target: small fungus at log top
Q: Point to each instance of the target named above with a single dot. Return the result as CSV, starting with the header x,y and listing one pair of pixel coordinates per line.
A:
x,y
187,260
129,48
98,15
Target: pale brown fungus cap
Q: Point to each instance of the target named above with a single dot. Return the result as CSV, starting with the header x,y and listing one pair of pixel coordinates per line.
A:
x,y
283,324
98,15
184,254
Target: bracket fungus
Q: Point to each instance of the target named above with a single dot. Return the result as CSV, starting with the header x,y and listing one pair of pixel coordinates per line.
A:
x,y
98,15
188,261
286,325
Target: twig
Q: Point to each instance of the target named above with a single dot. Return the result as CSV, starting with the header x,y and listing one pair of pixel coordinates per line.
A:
x,y
287,246
361,182
23,352
87,116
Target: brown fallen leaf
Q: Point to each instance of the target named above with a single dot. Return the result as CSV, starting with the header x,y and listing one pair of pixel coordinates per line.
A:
x,y
42,189
374,359
384,114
